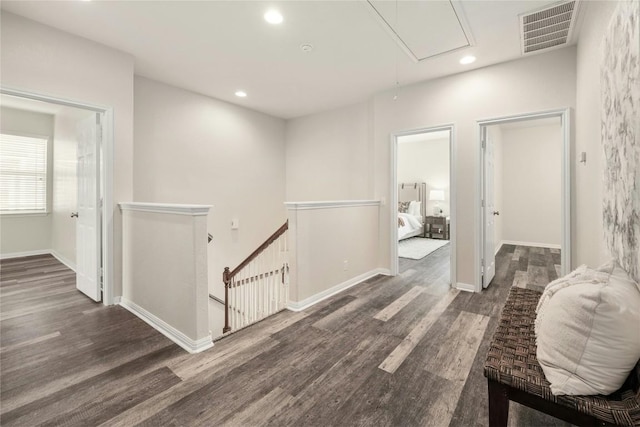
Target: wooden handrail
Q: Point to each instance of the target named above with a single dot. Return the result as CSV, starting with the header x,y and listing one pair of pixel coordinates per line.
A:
x,y
216,299
227,275
279,232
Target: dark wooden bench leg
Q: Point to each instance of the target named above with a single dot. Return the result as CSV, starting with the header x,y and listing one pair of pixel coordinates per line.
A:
x,y
498,404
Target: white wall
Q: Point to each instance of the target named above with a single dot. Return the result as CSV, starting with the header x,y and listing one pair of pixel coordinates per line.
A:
x,y
194,149
588,243
426,161
43,60
530,208
165,271
28,233
494,133
536,83
329,155
329,247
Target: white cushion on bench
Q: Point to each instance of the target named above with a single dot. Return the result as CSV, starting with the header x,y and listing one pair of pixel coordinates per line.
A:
x,y
588,330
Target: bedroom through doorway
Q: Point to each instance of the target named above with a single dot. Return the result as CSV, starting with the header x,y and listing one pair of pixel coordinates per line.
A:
x,y
423,190
524,201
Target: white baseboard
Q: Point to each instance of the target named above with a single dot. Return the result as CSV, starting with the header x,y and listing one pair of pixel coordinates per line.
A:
x,y
117,300
321,296
192,346
51,252
532,244
465,287
63,260
27,253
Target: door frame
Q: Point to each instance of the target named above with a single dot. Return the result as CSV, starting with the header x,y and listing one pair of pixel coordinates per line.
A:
x,y
393,202
565,227
106,179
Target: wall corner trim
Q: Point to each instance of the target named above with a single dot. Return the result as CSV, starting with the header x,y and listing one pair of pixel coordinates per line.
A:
x,y
384,271
65,261
531,244
190,345
166,208
334,290
24,254
465,287
51,252
299,206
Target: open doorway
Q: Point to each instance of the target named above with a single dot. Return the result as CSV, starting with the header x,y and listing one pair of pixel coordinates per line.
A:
x,y
423,219
524,203
70,185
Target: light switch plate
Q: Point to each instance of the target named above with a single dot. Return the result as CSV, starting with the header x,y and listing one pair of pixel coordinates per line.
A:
x,y
235,223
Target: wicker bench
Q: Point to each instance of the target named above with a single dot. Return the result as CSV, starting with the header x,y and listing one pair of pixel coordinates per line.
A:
x,y
513,373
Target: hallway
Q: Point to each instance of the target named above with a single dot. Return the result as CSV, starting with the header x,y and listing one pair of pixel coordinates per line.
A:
x,y
390,351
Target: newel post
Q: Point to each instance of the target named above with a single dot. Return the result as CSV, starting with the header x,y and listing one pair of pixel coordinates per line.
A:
x,y
227,283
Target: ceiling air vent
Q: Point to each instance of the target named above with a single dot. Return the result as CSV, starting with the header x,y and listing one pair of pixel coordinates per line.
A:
x,y
547,28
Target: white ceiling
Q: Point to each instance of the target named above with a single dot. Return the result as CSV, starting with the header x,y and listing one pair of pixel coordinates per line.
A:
x,y
218,47
423,28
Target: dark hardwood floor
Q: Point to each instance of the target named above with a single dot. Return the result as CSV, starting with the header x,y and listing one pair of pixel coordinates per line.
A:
x,y
399,351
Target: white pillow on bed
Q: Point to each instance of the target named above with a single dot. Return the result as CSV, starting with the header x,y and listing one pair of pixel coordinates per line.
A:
x,y
414,208
588,330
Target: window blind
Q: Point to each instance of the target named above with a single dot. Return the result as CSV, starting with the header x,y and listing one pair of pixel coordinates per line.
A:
x,y
23,174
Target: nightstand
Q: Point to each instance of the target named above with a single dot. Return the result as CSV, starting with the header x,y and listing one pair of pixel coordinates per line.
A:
x,y
436,227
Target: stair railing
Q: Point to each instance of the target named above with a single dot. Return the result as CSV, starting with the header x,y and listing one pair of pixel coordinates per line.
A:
x,y
259,286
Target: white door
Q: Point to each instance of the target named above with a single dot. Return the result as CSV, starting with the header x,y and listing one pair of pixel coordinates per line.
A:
x,y
488,211
88,242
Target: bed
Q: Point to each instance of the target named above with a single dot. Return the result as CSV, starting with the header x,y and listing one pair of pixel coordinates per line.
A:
x,y
411,209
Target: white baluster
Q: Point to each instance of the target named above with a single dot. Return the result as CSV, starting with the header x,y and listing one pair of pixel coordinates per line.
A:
x,y
267,291
235,305
265,284
274,285
278,298
259,286
281,263
247,294
279,282
254,287
243,306
285,299
256,290
269,284
238,300
273,263
265,280
232,304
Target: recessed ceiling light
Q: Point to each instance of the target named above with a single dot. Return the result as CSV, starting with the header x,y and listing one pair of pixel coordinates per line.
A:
x,y
468,59
273,17
241,94
307,47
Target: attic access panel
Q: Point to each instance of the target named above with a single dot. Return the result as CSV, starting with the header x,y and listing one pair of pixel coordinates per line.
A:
x,y
422,28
